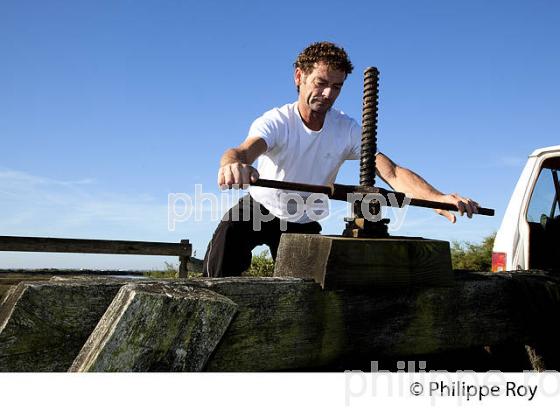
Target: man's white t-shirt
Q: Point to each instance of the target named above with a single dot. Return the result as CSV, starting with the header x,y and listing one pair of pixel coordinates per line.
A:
x,y
297,154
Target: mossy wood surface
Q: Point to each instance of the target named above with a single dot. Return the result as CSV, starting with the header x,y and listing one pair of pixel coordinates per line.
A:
x,y
157,327
43,325
280,323
11,277
7,281
293,324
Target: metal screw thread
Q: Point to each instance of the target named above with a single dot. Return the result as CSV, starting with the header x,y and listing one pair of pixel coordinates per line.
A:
x,y
369,126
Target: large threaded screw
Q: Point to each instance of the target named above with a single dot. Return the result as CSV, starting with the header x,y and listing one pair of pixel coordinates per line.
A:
x,y
369,126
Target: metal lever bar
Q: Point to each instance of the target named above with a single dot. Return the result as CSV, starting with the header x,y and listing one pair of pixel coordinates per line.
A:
x,y
340,192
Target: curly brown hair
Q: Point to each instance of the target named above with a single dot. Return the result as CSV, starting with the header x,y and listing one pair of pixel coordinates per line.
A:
x,y
329,53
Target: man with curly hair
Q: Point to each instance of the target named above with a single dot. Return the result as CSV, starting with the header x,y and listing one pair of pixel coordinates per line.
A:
x,y
306,141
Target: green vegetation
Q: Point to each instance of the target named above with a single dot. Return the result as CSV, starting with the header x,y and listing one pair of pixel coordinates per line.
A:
x,y
261,265
473,257
170,271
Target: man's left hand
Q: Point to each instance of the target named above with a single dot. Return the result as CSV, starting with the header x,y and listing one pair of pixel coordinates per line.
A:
x,y
465,205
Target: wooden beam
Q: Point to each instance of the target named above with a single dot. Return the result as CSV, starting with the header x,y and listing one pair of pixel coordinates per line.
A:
x,y
293,324
337,262
64,245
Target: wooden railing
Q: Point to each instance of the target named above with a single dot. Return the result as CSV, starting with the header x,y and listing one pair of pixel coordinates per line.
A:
x,y
35,244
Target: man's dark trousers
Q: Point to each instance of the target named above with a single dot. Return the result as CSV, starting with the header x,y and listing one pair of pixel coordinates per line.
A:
x,y
229,251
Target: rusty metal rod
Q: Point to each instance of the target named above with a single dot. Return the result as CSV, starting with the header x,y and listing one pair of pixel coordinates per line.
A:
x,y
340,192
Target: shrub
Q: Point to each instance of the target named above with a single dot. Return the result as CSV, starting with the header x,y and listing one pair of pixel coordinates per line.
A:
x,y
473,257
261,265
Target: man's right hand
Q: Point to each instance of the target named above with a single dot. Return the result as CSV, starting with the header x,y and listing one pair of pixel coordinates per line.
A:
x,y
236,175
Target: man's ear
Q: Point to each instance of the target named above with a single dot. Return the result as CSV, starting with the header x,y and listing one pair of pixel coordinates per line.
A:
x,y
298,76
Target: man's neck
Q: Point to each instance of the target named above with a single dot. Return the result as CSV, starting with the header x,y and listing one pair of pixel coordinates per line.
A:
x,y
312,119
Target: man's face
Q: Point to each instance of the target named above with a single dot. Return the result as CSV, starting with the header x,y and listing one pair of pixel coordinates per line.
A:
x,y
318,90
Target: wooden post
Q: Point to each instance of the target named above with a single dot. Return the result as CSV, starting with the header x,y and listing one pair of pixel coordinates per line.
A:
x,y
184,260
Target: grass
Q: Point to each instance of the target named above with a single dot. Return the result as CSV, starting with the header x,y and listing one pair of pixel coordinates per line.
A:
x,y
171,271
261,265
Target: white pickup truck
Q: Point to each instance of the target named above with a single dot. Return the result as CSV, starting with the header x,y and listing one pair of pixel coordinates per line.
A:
x,y
529,237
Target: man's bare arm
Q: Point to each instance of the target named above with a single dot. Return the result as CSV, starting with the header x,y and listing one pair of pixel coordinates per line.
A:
x,y
235,164
404,180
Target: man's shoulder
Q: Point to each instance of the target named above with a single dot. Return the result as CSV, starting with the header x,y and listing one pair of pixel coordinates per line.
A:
x,y
280,113
274,121
341,117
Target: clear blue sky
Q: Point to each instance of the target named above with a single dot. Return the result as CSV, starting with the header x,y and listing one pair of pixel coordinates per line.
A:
x,y
106,107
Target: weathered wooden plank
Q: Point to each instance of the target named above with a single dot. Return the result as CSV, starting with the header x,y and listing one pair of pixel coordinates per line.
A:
x,y
43,325
282,324
36,244
157,327
11,277
343,263
290,325
8,281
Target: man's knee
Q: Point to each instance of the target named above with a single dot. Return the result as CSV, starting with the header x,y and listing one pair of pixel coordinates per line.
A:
x,y
229,251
